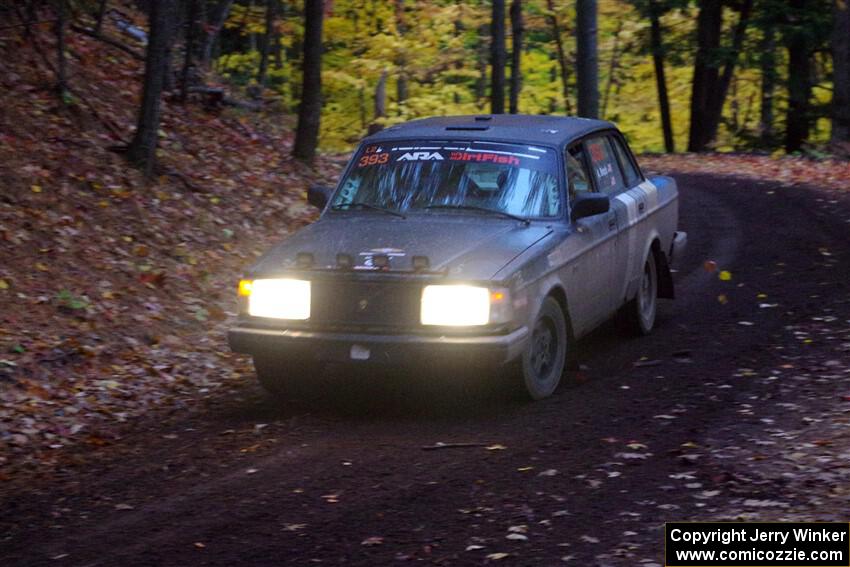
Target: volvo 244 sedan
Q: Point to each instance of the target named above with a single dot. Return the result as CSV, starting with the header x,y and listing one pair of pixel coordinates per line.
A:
x,y
483,239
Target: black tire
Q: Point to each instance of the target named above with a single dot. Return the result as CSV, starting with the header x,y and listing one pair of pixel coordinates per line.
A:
x,y
286,379
642,311
543,361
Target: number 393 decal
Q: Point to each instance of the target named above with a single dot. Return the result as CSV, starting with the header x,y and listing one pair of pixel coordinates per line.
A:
x,y
374,159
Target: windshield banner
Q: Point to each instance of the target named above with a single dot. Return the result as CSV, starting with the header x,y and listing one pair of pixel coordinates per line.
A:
x,y
514,155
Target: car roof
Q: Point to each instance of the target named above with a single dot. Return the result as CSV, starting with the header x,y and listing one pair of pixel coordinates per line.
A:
x,y
531,129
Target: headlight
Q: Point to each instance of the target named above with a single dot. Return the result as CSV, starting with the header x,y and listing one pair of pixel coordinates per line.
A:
x,y
455,305
277,298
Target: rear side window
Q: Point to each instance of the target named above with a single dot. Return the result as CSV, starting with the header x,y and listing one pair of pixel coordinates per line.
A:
x,y
578,181
630,173
606,170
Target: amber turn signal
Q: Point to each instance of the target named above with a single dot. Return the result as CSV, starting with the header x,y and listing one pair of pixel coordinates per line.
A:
x,y
245,288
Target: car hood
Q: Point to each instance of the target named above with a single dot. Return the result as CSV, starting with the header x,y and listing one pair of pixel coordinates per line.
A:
x,y
464,246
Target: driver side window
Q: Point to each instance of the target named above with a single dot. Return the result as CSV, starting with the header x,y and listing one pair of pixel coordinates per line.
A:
x,y
578,181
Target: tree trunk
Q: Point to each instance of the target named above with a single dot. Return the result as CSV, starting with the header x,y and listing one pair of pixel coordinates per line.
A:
x,y
768,84
587,59
61,62
380,103
401,60
173,23
381,96
278,51
562,55
717,97
142,149
214,25
497,58
482,60
252,37
841,72
660,80
612,70
29,16
310,107
706,74
190,46
799,80
266,42
516,55
101,10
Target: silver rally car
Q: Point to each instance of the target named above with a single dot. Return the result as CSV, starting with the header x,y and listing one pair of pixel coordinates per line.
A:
x,y
494,240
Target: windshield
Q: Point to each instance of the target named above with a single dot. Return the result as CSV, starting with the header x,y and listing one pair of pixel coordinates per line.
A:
x,y
434,176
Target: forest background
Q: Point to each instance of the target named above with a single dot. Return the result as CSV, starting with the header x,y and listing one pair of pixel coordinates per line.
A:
x,y
765,75
767,63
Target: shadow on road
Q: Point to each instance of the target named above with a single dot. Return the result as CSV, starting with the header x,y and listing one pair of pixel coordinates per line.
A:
x,y
373,394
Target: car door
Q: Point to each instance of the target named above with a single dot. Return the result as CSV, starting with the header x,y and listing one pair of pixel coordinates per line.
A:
x,y
633,205
593,247
613,180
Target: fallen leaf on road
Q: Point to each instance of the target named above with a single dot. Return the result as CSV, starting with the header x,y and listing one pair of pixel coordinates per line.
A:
x,y
520,529
633,456
441,445
707,494
754,503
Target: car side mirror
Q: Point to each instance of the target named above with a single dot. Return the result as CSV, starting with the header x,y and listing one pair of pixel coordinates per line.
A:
x,y
319,195
589,205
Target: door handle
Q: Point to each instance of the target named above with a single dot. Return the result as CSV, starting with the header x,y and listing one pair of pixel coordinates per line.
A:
x,y
612,223
641,206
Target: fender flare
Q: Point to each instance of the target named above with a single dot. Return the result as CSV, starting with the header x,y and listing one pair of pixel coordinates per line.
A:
x,y
665,276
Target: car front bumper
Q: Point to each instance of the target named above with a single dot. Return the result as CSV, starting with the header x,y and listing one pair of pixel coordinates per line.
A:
x,y
379,349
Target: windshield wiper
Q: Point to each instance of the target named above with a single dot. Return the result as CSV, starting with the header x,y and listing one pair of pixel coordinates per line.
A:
x,y
480,209
342,206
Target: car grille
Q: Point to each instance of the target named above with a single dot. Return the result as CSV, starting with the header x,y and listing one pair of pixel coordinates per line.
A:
x,y
365,304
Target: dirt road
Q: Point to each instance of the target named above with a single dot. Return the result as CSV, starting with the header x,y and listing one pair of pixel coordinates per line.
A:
x,y
587,477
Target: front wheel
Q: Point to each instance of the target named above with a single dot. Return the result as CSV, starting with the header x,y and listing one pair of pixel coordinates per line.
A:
x,y
544,357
